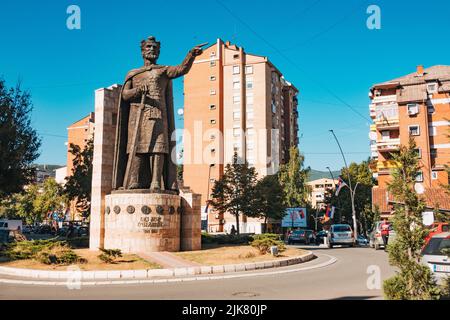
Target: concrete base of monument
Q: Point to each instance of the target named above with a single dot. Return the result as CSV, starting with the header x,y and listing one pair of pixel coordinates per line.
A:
x,y
141,221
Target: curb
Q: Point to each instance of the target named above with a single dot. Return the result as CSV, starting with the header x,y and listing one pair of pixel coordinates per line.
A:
x,y
153,273
72,284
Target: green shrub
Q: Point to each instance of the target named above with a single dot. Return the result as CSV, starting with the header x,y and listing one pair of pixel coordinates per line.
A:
x,y
109,255
226,238
263,243
44,251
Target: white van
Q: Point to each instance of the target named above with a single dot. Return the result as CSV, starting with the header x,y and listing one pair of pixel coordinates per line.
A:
x,y
11,225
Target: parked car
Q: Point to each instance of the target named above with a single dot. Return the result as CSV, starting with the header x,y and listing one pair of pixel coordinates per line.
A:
x,y
375,238
320,236
362,241
434,257
303,236
340,234
437,228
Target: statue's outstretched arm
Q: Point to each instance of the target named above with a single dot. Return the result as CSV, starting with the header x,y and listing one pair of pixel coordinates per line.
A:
x,y
186,65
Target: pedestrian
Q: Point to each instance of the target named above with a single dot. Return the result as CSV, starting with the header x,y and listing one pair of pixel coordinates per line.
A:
x,y
233,230
385,226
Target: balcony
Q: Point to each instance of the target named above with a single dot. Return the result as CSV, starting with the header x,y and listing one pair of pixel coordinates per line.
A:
x,y
385,167
385,99
388,145
387,124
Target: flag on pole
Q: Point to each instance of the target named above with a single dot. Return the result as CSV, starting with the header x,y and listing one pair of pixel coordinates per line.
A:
x,y
340,185
330,212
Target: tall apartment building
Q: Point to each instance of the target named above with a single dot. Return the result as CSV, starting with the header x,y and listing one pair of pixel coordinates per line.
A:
x,y
235,102
415,105
319,188
79,134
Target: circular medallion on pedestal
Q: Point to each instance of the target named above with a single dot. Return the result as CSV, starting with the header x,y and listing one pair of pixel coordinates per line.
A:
x,y
131,209
180,210
108,210
146,210
171,210
160,210
116,209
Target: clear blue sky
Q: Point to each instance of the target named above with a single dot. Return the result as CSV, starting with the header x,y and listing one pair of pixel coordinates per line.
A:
x,y
322,46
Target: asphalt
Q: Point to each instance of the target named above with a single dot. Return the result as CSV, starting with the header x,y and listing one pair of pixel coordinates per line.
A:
x,y
347,278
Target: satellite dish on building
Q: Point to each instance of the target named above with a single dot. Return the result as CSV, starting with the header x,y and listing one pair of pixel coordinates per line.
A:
x,y
180,112
419,188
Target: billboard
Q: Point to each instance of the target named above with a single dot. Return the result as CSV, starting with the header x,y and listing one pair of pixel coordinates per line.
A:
x,y
295,217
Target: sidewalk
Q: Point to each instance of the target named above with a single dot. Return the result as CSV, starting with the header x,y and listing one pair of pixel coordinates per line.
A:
x,y
167,260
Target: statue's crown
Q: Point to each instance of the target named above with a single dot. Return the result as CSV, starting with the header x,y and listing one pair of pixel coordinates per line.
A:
x,y
150,39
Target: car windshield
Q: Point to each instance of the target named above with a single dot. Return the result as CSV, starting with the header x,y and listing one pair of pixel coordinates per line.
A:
x,y
342,229
435,247
299,232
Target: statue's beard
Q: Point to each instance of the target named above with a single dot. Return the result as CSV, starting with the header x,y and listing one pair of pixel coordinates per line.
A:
x,y
151,57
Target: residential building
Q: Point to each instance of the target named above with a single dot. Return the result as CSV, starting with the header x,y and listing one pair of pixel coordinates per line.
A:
x,y
416,105
319,189
79,134
235,102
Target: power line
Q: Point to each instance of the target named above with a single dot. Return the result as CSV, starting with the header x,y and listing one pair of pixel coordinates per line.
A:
x,y
292,62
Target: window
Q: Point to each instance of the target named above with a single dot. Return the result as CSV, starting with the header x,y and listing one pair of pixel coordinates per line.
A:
x,y
212,107
236,85
213,54
434,175
432,87
419,152
236,56
236,115
274,108
419,177
433,131
212,137
413,109
249,70
212,92
236,70
236,99
212,64
212,78
251,132
212,121
433,153
385,135
236,132
249,83
414,130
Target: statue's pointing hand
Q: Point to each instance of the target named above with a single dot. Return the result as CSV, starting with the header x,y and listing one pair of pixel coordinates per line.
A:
x,y
196,51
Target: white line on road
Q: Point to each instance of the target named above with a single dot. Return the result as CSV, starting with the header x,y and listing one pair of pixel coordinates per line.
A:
x,y
331,261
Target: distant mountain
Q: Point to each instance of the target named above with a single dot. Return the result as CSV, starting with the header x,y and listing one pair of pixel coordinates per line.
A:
x,y
315,174
47,167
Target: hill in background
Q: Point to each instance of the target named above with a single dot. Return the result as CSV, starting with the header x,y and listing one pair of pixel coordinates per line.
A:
x,y
315,174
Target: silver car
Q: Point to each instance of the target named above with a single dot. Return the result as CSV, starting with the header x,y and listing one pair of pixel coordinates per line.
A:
x,y
375,238
340,234
434,257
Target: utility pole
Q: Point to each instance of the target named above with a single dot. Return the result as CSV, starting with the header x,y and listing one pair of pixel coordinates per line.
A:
x,y
339,200
352,192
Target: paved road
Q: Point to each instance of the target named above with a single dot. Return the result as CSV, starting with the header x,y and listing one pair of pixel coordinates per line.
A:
x,y
345,279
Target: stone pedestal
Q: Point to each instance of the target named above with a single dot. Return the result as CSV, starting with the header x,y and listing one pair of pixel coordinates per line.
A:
x,y
142,222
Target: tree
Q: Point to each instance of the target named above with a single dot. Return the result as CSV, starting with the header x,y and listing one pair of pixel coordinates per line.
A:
x,y
413,281
269,199
293,178
234,192
50,199
79,185
361,174
19,142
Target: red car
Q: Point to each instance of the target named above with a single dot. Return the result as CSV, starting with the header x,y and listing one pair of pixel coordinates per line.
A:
x,y
436,228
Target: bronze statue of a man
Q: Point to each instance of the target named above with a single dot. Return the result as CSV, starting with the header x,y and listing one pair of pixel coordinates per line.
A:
x,y
145,123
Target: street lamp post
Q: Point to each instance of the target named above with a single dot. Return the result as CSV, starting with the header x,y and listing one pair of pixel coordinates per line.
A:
x,y
339,200
352,191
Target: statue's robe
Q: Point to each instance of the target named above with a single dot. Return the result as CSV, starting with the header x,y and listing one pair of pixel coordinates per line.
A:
x,y
156,127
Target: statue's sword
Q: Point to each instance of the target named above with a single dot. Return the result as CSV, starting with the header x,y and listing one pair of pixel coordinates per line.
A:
x,y
136,129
